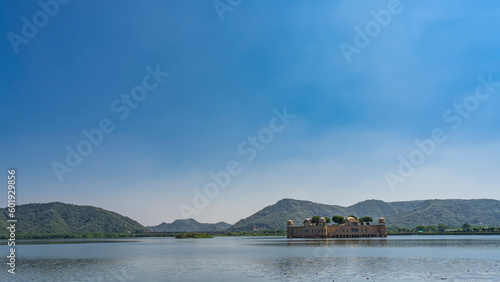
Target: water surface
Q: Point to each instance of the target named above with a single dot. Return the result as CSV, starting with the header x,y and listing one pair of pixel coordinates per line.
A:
x,y
455,258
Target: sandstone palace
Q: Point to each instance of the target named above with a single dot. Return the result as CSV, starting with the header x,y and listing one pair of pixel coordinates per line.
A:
x,y
351,228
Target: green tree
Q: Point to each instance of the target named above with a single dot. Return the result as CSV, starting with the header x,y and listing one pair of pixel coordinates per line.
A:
x,y
327,219
466,227
442,227
393,228
360,219
315,219
419,228
366,219
430,228
338,219
404,230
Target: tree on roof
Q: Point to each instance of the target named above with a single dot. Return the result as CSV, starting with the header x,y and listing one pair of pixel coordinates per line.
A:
x,y
338,219
315,219
366,219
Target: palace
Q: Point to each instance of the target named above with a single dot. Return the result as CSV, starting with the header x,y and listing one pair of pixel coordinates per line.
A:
x,y
351,228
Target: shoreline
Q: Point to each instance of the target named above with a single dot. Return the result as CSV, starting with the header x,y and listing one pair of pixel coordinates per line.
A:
x,y
214,234
446,233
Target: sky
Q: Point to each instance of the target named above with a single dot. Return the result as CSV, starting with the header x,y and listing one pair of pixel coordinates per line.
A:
x,y
333,102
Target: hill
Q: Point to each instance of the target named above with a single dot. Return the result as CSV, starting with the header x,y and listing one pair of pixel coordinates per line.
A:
x,y
188,225
60,218
405,214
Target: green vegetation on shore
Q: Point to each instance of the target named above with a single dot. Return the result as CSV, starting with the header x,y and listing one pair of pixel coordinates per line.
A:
x,y
442,233
85,235
23,235
465,229
193,235
278,232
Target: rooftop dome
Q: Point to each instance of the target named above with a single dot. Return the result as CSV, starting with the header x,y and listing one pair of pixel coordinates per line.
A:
x,y
381,220
289,222
351,219
307,222
322,220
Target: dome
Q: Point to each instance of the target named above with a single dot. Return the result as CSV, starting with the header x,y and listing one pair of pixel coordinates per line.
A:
x,y
289,222
351,219
381,220
307,222
322,220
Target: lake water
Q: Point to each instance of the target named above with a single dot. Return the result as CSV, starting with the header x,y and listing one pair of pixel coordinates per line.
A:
x,y
455,258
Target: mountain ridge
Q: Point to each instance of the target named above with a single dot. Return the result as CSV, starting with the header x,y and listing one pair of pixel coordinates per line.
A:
x,y
188,225
57,217
453,212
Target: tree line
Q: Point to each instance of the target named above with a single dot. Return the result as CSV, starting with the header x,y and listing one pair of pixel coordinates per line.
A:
x,y
466,227
338,219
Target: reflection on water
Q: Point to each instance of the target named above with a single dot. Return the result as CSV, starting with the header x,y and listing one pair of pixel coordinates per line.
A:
x,y
380,269
321,242
67,241
64,269
416,258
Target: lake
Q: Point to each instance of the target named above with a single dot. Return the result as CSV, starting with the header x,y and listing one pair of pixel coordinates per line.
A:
x,y
455,258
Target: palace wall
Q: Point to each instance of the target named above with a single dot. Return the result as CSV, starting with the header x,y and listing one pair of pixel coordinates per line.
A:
x,y
337,231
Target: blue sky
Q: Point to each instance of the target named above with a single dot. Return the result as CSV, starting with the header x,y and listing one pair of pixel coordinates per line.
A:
x,y
352,119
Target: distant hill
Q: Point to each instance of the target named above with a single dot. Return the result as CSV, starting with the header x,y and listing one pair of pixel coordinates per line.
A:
x,y
405,214
59,217
188,225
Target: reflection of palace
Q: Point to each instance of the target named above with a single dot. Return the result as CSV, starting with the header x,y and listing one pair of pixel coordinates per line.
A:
x,y
325,243
351,228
